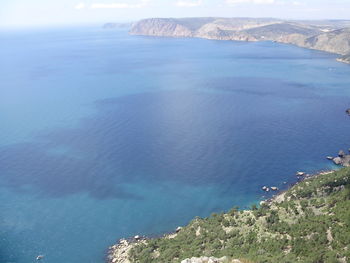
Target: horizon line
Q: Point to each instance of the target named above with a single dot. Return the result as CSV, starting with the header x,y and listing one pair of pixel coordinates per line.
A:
x,y
95,23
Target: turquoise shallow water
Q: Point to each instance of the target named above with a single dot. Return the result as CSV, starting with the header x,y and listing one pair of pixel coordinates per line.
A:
x,y
105,135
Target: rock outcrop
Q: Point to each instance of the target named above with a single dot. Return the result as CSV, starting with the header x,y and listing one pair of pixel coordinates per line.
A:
x,y
330,36
344,59
119,253
342,159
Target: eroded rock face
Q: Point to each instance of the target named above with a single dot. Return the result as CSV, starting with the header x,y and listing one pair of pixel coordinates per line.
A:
x,y
337,160
343,160
120,253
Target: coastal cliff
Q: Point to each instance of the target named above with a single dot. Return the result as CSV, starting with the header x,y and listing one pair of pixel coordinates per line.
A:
x,y
337,41
307,223
330,36
345,59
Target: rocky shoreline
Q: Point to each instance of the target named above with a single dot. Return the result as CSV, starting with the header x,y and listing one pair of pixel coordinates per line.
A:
x,y
346,61
342,159
118,253
280,197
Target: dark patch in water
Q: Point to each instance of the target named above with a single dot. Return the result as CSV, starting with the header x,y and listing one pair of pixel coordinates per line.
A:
x,y
184,136
264,87
56,174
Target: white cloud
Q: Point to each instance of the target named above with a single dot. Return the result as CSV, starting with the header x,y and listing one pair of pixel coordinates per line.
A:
x,y
258,2
182,3
80,6
141,4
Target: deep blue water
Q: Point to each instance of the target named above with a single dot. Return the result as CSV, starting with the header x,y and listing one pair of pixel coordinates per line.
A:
x,y
105,135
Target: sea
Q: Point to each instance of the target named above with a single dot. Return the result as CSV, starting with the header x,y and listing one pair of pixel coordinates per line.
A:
x,y
105,136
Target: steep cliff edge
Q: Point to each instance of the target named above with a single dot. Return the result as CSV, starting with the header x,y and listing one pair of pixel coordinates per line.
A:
x,y
330,36
336,41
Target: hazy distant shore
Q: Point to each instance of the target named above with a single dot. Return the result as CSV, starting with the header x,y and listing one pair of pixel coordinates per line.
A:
x,y
325,35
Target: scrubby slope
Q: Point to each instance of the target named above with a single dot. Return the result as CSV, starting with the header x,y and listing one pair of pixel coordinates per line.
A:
x,y
308,223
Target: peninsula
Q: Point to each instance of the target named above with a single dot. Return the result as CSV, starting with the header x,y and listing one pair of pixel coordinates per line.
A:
x,y
307,223
326,35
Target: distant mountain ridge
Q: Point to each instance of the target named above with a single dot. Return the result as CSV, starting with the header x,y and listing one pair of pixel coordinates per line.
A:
x,y
328,35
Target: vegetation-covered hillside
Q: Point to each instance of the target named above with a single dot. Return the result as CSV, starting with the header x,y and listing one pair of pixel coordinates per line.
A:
x,y
308,223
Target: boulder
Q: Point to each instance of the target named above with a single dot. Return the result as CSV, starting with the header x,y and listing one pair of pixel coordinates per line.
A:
x,y
346,160
274,188
300,173
40,257
348,111
262,203
341,153
337,160
178,229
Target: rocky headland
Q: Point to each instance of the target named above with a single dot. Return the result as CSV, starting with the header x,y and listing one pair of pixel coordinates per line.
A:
x,y
329,35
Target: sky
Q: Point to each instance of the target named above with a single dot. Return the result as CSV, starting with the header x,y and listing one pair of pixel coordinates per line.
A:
x,y
27,13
